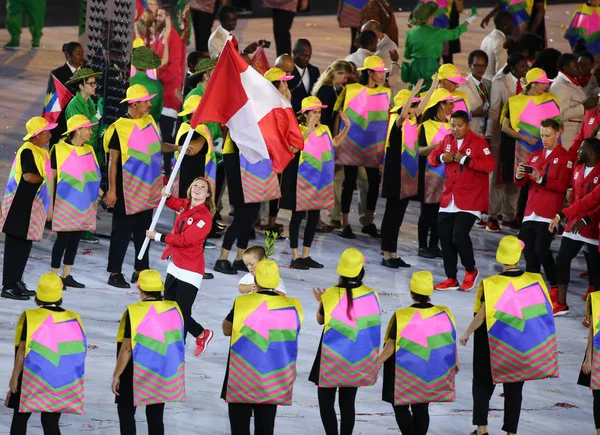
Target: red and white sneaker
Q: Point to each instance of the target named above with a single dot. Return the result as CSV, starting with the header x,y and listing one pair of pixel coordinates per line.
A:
x,y
202,341
481,223
586,322
559,309
470,280
553,294
591,289
447,284
492,226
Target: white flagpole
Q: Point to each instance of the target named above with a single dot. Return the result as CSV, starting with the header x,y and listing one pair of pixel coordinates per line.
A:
x,y
169,185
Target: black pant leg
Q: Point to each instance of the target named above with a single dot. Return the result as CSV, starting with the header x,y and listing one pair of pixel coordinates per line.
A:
x,y
593,265
566,253
353,34
72,246
167,129
143,220
18,425
482,393
420,412
282,24
348,187
543,240
390,226
185,295
404,419
294,228
427,226
528,237
202,22
264,419
122,229
513,397
461,238
50,423
239,417
445,224
126,413
16,254
251,213
154,416
347,399
522,203
232,230
326,398
374,178
596,396
274,203
58,249
312,220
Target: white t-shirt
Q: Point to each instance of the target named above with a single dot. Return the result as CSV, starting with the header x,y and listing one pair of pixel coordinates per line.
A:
x,y
249,279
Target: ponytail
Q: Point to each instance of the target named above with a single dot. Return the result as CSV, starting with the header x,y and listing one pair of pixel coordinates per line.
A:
x,y
348,284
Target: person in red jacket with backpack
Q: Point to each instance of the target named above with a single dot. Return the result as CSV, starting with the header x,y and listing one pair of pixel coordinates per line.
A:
x,y
185,250
468,161
548,174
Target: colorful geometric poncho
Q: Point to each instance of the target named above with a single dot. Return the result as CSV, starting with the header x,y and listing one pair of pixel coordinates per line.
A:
x,y
367,109
409,174
526,116
141,160
521,11
349,12
593,311
442,15
520,327
316,168
77,186
158,352
435,132
263,349
351,338
461,102
425,355
41,201
586,25
53,371
210,163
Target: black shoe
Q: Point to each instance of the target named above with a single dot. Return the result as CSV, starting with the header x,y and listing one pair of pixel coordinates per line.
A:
x,y
437,252
475,433
402,263
208,275
13,293
214,235
299,264
118,280
239,265
346,233
22,288
69,281
312,263
426,253
390,262
134,277
371,230
224,266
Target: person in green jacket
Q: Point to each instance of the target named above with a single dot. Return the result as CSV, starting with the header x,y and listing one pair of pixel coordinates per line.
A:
x,y
204,69
144,61
35,10
424,44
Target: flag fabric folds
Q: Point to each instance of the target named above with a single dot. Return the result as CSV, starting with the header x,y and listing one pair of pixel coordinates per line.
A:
x,y
56,100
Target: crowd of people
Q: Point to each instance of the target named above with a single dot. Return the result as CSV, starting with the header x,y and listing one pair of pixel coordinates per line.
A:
x,y
513,146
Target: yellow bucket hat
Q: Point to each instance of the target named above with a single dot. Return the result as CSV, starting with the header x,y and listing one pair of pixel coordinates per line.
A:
x,y
190,105
137,43
49,288
438,96
36,125
401,98
137,93
509,250
312,103
277,74
449,72
150,281
76,122
421,283
267,274
536,75
351,263
374,63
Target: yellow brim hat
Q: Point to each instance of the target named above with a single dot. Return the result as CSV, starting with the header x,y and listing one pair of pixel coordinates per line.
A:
x,y
36,125
401,98
76,122
421,283
150,281
137,93
374,63
537,75
267,274
509,250
190,105
351,263
277,75
438,96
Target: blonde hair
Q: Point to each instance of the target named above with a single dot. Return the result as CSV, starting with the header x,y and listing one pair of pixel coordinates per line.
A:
x,y
210,202
339,66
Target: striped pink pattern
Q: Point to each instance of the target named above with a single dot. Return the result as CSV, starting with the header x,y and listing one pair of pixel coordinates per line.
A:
x,y
140,196
257,190
336,372
39,397
309,198
68,218
411,390
148,388
38,220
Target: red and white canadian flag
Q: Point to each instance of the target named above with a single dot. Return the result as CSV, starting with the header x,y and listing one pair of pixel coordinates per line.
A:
x,y
261,121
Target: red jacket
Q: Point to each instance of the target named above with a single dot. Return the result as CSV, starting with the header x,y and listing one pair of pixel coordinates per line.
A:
x,y
185,244
581,208
590,121
171,74
581,187
467,182
546,199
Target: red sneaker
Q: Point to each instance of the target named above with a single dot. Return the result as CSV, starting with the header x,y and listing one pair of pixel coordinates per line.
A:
x,y
481,223
202,341
447,284
470,280
492,226
591,289
586,322
559,309
553,294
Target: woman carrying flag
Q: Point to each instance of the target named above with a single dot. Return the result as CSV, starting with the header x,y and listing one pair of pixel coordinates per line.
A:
x,y
411,358
76,175
307,181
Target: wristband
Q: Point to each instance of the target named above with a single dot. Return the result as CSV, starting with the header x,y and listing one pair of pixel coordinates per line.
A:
x,y
157,237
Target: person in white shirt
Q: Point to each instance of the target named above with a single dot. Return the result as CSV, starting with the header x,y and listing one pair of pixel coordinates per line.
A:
x,y
368,46
387,50
493,43
228,23
571,97
478,90
252,256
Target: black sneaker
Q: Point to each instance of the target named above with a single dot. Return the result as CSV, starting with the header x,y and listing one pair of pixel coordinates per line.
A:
x,y
208,275
118,280
13,293
239,265
69,281
214,235
299,264
24,290
401,263
134,277
371,230
437,252
475,433
426,253
346,233
312,263
389,263
224,266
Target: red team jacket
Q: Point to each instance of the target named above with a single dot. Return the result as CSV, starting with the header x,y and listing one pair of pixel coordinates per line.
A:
x,y
590,120
546,199
581,187
185,244
468,182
